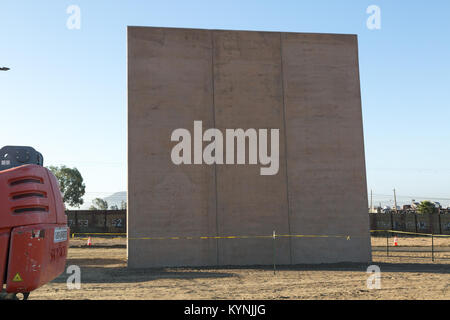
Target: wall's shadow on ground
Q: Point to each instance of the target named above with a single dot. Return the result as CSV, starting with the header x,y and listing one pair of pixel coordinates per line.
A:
x,y
100,262
108,270
384,266
101,270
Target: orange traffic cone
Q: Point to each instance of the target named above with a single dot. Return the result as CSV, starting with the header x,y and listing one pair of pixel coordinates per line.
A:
x,y
395,241
89,242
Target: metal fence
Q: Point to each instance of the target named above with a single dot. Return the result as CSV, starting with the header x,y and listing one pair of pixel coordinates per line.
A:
x,y
411,222
97,221
114,221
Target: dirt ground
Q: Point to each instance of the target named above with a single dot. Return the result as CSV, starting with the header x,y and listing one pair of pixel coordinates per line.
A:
x,y
407,273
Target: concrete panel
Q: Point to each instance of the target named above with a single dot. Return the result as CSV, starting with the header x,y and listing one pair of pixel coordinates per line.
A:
x,y
428,223
423,223
373,221
435,224
71,221
248,94
325,153
116,221
169,86
445,223
410,222
384,221
399,222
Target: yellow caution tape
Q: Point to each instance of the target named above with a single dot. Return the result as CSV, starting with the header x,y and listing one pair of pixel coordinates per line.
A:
x,y
415,233
347,237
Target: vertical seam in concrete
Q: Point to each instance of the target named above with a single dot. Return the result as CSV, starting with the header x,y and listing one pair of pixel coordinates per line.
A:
x,y
214,125
285,147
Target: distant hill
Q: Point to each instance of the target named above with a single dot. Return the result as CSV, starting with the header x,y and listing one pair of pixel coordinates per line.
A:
x,y
116,198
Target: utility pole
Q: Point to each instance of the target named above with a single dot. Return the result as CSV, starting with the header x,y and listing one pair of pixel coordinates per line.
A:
x,y
395,202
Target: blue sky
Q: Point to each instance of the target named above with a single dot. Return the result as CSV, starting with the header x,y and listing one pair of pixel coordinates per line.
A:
x,y
65,94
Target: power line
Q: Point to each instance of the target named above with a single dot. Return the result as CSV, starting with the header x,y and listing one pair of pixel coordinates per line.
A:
x,y
412,197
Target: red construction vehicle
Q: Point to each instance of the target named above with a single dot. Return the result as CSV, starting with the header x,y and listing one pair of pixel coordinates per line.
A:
x,y
33,223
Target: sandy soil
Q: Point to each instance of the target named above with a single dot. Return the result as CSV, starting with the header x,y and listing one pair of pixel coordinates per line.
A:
x,y
407,273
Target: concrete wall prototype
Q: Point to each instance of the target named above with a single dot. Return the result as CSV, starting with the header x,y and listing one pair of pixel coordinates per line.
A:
x,y
305,85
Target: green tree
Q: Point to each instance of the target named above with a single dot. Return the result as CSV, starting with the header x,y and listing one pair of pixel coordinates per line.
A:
x,y
70,184
99,204
123,205
426,207
114,207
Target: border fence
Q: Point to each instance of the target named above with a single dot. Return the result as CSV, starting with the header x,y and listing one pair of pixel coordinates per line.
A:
x,y
411,222
97,221
115,221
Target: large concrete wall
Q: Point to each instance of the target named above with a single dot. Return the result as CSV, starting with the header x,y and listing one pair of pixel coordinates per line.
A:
x,y
305,85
